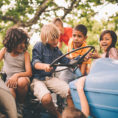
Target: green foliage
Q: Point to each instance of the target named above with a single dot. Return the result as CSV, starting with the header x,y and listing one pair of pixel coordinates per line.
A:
x,y
64,48
30,51
22,11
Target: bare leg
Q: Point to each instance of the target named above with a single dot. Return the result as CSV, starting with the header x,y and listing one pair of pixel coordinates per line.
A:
x,y
22,89
7,103
48,104
22,92
69,100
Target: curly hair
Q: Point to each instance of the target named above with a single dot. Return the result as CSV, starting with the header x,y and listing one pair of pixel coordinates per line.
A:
x,y
14,37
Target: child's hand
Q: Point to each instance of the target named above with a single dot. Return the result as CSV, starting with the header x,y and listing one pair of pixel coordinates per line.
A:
x,y
80,84
12,82
86,58
94,55
47,68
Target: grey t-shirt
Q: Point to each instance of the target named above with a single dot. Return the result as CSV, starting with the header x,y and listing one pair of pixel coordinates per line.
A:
x,y
13,65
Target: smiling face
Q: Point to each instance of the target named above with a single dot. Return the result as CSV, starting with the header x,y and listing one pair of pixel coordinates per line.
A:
x,y
106,41
78,38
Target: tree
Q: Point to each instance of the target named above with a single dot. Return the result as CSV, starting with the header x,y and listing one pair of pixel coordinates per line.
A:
x,y
26,13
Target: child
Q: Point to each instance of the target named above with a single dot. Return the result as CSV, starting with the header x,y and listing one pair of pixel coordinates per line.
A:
x,y
83,100
65,32
16,62
108,40
7,102
71,112
79,37
43,80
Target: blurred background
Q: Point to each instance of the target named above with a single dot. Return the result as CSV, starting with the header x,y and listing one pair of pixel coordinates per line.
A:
x,y
96,15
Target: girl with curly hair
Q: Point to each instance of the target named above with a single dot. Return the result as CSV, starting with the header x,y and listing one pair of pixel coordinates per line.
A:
x,y
16,62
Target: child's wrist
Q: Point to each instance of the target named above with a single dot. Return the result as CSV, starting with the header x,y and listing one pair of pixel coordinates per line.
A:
x,y
81,93
80,90
16,75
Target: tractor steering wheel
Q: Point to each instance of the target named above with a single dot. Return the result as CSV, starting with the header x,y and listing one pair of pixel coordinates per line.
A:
x,y
74,63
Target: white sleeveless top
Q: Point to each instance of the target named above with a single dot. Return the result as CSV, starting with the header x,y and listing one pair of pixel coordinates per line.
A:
x,y
13,65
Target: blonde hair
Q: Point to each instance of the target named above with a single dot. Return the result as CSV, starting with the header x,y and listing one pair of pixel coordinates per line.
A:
x,y
49,32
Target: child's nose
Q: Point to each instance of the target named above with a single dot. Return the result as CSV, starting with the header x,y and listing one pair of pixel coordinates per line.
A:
x,y
76,39
103,41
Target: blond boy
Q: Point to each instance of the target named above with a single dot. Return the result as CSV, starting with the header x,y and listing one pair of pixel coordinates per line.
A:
x,y
43,81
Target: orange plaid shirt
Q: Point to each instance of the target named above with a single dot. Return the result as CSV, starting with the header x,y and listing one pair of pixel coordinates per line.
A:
x,y
78,52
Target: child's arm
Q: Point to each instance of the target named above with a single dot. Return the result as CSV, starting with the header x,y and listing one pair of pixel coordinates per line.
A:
x,y
2,53
83,68
37,58
113,53
83,100
43,66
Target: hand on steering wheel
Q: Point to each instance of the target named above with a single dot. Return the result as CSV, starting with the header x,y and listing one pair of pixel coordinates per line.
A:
x,y
73,62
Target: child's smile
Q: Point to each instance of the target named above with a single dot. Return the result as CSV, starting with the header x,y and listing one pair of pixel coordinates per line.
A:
x,y
106,41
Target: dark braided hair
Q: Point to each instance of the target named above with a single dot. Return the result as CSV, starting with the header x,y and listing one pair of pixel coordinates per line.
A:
x,y
14,37
114,39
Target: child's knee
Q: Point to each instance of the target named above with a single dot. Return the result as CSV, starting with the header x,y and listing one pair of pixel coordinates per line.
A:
x,y
23,82
46,99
